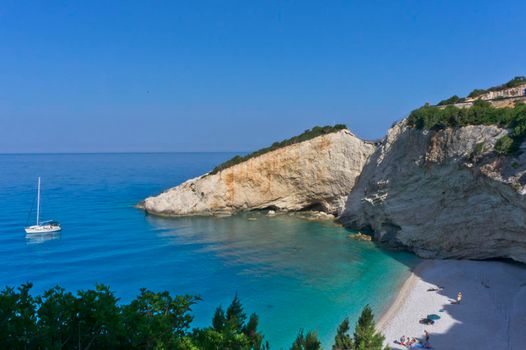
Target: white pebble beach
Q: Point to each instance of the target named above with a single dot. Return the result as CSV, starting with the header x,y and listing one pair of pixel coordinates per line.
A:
x,y
492,314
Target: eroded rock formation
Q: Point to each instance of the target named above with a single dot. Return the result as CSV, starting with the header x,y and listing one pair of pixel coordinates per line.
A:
x,y
443,194
315,174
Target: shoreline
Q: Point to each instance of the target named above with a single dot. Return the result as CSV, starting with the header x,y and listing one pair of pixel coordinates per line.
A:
x,y
492,314
401,295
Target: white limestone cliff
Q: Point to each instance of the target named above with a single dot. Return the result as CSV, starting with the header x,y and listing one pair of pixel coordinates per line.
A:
x,y
440,194
443,194
315,174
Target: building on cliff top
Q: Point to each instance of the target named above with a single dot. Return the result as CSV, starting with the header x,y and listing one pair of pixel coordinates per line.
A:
x,y
499,98
517,91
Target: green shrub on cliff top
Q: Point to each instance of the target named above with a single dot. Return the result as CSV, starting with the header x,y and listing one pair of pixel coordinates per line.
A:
x,y
481,113
306,135
453,99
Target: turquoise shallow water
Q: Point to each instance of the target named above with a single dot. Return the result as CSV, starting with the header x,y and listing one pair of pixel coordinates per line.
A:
x,y
293,273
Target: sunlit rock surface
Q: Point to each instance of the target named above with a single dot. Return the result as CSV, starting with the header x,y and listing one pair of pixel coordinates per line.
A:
x,y
317,174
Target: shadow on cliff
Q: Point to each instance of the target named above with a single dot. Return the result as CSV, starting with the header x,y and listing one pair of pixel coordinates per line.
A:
x,y
492,314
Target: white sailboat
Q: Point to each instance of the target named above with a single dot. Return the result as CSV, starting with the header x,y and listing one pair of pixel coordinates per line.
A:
x,y
44,226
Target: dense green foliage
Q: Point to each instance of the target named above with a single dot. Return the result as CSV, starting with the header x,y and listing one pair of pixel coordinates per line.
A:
x,y
510,84
365,336
306,135
481,113
94,319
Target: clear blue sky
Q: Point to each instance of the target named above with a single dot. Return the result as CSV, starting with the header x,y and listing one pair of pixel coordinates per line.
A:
x,y
91,76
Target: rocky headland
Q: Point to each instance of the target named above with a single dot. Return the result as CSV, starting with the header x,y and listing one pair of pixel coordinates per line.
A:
x,y
446,182
317,174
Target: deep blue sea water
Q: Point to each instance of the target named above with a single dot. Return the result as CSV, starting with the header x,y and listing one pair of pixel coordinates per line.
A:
x,y
293,273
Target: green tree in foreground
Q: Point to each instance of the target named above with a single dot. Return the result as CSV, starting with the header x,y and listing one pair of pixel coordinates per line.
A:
x,y
308,342
17,317
343,340
94,319
230,331
158,320
365,336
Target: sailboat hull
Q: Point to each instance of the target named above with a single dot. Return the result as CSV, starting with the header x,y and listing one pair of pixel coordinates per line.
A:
x,y
42,226
35,229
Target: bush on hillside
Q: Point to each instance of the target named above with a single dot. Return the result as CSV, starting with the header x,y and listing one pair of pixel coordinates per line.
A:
x,y
452,100
504,145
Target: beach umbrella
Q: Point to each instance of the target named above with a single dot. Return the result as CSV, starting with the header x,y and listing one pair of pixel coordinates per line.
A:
x,y
433,317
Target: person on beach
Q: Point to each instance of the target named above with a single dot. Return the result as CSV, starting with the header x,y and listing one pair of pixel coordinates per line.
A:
x,y
427,335
459,297
402,340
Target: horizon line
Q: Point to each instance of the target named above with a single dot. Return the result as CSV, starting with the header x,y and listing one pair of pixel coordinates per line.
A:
x,y
116,152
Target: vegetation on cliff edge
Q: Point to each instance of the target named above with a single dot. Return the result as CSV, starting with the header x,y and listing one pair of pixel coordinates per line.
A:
x,y
306,135
481,113
94,319
453,99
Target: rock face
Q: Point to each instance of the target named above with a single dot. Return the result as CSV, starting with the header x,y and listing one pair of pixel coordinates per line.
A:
x,y
440,194
443,194
317,174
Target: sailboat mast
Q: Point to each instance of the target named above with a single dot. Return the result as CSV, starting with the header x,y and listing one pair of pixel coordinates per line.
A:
x,y
38,201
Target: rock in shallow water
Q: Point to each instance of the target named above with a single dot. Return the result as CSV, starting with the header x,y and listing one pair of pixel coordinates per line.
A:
x,y
360,237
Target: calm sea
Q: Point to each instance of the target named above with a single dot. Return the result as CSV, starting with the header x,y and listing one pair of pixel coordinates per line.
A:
x,y
293,273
